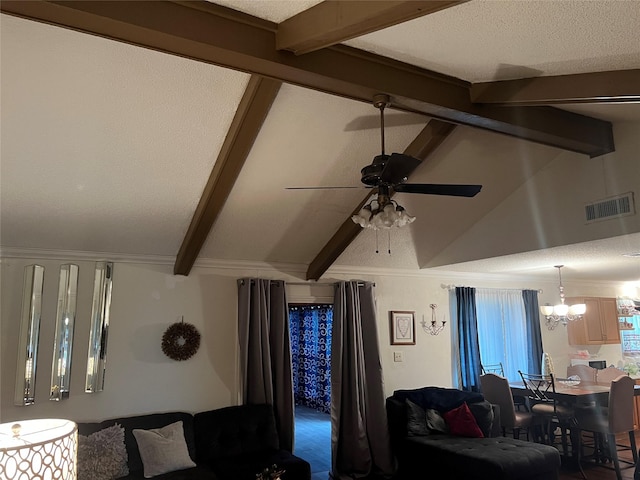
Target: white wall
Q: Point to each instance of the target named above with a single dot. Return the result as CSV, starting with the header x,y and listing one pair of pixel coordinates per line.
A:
x,y
148,298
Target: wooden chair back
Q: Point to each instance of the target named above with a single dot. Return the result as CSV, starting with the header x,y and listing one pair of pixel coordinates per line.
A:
x,y
586,372
607,375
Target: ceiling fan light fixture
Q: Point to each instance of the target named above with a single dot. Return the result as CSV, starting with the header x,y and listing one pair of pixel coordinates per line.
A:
x,y
363,216
384,215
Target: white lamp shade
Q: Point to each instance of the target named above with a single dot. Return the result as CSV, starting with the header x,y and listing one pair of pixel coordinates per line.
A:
x,y
578,309
546,310
44,449
561,309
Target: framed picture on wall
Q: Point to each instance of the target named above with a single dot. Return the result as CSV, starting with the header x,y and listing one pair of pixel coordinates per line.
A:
x,y
403,328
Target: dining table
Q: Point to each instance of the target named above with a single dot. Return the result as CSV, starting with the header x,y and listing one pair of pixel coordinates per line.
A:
x,y
573,393
569,392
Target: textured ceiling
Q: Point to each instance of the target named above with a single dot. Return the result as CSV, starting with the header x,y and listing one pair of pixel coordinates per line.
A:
x,y
106,147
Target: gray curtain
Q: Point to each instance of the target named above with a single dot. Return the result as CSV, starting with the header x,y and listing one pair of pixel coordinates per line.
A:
x,y
359,435
265,352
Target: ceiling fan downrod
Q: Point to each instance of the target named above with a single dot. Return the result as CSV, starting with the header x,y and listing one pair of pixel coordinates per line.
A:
x,y
380,101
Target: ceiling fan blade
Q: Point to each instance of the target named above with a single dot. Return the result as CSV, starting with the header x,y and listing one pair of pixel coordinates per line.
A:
x,y
439,189
398,167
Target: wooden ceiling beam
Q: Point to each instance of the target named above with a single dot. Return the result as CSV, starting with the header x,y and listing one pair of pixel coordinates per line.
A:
x,y
332,22
247,122
213,34
431,136
597,87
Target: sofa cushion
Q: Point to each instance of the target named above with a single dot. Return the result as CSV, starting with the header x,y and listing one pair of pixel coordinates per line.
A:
x,y
196,473
442,399
461,422
232,431
246,466
102,455
496,458
163,449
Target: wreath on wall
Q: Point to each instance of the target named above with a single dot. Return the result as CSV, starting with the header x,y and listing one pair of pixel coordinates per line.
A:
x,y
180,341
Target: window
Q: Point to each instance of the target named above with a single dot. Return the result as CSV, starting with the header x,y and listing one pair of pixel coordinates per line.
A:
x,y
502,330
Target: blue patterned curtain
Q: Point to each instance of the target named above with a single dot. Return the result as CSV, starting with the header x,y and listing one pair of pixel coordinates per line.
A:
x,y
310,327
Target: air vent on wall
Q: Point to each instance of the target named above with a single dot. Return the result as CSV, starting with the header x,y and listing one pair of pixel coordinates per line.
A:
x,y
612,207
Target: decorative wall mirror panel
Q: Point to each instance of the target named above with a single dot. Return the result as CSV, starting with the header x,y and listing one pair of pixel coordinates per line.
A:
x,y
63,341
97,359
29,333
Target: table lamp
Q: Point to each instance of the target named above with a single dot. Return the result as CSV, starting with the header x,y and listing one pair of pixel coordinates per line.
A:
x,y
42,448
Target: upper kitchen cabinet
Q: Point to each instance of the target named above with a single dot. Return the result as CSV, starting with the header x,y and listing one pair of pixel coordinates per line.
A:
x,y
599,324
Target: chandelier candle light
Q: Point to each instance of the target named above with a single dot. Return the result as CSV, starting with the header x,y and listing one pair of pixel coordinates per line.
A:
x,y
433,328
561,313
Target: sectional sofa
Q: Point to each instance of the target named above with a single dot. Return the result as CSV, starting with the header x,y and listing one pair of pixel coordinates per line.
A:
x,y
234,442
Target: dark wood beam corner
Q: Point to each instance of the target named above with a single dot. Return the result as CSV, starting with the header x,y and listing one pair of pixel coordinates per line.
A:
x,y
431,136
247,122
598,87
332,22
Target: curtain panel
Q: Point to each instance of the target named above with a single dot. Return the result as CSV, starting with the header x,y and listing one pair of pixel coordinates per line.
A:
x,y
359,435
532,309
265,352
469,348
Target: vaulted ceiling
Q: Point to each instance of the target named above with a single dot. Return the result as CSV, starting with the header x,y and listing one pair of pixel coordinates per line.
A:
x,y
177,128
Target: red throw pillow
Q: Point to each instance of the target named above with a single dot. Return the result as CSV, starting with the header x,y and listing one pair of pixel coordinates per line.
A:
x,y
461,422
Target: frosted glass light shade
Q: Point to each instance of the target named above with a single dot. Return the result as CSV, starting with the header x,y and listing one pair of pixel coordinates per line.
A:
x,y
546,310
578,309
43,449
561,309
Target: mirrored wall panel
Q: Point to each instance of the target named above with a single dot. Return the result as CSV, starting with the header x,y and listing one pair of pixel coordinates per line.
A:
x,y
29,333
63,341
97,360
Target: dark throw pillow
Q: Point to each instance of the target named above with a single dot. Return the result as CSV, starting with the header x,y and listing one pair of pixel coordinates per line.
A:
x,y
461,422
416,420
436,422
483,413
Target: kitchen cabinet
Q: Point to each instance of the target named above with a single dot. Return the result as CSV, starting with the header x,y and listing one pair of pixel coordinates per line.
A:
x,y
599,324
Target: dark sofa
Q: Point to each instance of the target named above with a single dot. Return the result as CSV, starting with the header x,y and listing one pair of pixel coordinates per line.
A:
x,y
229,443
491,457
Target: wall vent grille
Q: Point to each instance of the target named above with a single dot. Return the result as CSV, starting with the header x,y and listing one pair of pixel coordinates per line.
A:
x,y
612,207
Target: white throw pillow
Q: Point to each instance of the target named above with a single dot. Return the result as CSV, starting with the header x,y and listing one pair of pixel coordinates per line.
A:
x,y
163,449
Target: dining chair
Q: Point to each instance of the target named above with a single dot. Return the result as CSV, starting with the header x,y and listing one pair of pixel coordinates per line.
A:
x,y
496,390
551,413
497,368
492,368
609,374
606,422
586,372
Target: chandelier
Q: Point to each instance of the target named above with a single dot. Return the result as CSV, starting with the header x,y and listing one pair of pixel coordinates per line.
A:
x,y
432,327
382,212
561,313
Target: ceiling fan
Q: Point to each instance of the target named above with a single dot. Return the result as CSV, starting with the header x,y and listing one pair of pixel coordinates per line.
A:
x,y
387,174
391,171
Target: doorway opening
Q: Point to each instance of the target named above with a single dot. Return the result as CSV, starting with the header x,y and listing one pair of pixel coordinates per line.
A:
x,y
310,329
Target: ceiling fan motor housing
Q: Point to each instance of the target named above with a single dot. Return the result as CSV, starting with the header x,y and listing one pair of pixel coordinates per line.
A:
x,y
371,173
